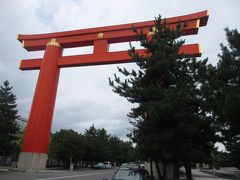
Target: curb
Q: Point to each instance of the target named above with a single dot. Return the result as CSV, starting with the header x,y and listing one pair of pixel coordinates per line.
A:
x,y
4,170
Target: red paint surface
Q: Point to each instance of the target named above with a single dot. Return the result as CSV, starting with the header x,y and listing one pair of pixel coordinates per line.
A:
x,y
87,39
101,46
36,137
202,16
101,56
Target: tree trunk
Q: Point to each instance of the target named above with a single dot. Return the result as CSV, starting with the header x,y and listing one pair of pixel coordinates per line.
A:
x,y
86,164
175,171
71,164
158,170
164,169
188,170
151,169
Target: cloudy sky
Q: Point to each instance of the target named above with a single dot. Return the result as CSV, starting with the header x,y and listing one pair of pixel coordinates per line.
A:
x,y
84,96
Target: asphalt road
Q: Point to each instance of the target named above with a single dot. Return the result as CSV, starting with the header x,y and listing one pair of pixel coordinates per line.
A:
x,y
56,175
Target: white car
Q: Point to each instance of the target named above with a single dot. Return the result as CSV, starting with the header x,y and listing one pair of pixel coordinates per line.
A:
x,y
107,165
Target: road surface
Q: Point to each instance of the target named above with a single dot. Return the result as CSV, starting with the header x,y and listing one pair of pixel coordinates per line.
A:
x,y
58,175
83,174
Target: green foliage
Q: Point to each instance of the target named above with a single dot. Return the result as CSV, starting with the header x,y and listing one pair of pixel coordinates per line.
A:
x,y
94,146
228,75
170,122
97,144
8,115
121,151
222,159
226,92
66,145
101,146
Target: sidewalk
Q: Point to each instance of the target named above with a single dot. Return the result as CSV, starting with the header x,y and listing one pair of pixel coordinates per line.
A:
x,y
198,175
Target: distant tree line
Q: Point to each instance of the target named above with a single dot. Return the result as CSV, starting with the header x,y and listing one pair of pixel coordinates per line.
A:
x,y
184,105
95,145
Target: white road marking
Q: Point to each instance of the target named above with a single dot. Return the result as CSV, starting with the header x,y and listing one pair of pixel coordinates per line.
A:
x,y
63,177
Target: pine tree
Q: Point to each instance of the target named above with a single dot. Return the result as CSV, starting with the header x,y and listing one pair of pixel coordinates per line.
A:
x,y
91,153
227,94
67,146
170,120
8,115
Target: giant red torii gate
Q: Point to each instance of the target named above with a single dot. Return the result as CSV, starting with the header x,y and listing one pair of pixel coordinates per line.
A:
x,y
35,144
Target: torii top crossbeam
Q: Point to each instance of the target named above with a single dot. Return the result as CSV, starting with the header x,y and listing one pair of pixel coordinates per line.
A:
x,y
101,37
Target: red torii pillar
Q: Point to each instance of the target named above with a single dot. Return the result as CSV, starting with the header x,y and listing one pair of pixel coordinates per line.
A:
x,y
35,144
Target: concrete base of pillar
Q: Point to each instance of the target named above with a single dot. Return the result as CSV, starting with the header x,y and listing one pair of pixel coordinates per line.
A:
x,y
32,161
